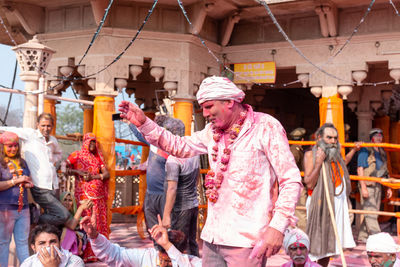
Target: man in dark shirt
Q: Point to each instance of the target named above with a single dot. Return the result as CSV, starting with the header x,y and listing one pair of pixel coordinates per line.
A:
x,y
372,162
181,203
155,176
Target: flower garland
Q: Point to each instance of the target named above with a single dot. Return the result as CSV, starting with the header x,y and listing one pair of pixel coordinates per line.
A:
x,y
213,178
16,171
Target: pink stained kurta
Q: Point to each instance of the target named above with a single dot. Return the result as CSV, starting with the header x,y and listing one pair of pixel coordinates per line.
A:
x,y
308,263
259,156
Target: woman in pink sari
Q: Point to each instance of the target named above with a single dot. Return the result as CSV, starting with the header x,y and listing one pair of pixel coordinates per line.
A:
x,y
91,183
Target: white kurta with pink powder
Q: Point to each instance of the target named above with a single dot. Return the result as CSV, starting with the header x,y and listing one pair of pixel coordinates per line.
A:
x,y
260,156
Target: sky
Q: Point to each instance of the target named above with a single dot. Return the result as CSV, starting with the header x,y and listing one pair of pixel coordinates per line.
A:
x,y
7,59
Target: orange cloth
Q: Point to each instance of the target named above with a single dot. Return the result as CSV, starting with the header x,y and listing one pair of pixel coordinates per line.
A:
x,y
336,177
103,128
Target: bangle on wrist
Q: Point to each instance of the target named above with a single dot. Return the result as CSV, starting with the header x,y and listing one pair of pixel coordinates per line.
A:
x,y
13,182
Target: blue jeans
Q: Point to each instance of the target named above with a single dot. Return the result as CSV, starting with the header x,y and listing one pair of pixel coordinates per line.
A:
x,y
12,221
54,211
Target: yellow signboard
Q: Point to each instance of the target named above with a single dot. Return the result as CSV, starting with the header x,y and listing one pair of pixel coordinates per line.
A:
x,y
257,72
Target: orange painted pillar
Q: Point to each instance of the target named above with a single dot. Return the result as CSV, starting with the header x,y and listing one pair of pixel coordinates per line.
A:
x,y
183,110
50,107
331,110
103,128
87,119
395,138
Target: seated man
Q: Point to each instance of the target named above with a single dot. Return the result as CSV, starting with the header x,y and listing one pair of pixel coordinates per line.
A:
x,y
45,242
173,244
297,244
381,250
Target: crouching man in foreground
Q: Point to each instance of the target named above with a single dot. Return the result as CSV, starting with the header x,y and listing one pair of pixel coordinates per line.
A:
x,y
170,251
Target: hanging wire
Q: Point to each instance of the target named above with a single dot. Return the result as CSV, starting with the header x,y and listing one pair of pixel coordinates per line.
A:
x,y
95,35
8,33
10,97
129,44
120,55
208,49
318,68
395,9
276,23
355,30
63,78
97,31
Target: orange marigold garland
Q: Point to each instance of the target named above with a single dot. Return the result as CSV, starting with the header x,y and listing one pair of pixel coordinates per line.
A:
x,y
16,171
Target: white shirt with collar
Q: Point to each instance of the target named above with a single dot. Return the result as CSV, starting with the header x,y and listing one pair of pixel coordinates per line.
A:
x,y
115,256
40,156
66,257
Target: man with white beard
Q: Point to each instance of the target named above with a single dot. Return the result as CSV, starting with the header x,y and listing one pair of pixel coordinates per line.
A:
x,y
319,227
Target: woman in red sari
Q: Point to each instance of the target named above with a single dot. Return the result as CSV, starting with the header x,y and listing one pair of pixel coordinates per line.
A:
x,y
91,183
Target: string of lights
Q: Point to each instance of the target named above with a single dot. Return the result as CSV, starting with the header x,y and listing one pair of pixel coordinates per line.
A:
x,y
282,31
394,7
339,51
355,30
63,78
219,61
8,33
97,31
208,49
129,44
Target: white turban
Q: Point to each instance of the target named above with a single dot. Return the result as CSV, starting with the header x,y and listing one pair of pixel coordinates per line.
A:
x,y
218,88
295,235
382,243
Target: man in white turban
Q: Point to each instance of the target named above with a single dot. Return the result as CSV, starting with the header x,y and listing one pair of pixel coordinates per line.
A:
x,y
381,250
297,244
248,153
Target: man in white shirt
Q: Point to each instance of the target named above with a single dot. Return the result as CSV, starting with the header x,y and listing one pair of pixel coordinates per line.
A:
x,y
45,242
381,250
172,245
41,152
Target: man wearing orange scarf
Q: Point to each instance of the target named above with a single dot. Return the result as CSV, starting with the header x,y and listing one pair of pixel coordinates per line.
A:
x,y
319,227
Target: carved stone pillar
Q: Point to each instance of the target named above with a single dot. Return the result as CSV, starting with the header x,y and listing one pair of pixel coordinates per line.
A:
x,y
364,124
33,58
50,107
103,128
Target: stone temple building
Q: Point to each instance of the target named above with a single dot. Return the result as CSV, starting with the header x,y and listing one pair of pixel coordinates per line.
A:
x,y
328,60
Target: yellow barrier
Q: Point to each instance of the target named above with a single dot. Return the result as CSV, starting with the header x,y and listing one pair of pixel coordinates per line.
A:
x,y
384,145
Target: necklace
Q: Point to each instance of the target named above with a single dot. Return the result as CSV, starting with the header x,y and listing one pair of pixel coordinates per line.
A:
x,y
214,178
16,171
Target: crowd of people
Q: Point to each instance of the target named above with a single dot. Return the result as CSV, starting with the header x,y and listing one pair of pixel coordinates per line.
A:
x,y
253,187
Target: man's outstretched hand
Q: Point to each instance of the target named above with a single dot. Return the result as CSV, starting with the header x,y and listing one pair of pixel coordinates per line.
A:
x,y
132,113
89,225
160,235
269,244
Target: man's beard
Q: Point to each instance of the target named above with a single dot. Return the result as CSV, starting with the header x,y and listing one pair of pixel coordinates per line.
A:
x,y
332,151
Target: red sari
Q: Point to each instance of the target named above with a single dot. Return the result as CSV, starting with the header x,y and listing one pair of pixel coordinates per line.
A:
x,y
95,190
